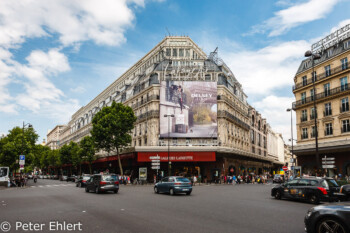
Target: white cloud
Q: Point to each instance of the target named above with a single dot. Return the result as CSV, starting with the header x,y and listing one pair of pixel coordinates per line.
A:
x,y
269,68
295,15
102,21
71,22
274,109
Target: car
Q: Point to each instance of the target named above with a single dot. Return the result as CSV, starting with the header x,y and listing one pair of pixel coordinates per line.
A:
x,y
310,189
345,189
81,181
173,185
30,176
328,218
71,178
103,183
277,179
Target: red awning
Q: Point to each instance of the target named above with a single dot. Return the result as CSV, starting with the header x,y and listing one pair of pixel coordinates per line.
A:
x,y
190,156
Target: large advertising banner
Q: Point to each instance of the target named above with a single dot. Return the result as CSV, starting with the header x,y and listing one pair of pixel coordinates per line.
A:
x,y
194,106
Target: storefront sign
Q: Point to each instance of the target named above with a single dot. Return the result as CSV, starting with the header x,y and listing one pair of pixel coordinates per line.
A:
x,y
188,156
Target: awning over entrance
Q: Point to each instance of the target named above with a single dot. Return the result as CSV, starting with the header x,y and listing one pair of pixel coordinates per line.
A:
x,y
189,156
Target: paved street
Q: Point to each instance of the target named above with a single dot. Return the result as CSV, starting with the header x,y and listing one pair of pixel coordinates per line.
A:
x,y
215,208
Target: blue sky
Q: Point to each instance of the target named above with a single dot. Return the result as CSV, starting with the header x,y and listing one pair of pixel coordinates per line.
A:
x,y
56,56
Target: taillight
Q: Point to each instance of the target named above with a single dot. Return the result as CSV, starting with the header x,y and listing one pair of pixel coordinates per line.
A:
x,y
84,181
117,182
323,190
177,183
103,182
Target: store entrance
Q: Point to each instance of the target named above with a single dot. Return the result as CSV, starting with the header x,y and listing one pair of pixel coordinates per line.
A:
x,y
186,170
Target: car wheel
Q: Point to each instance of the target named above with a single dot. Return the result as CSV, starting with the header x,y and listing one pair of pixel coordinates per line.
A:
x,y
116,191
188,193
171,191
331,225
278,195
86,189
156,190
97,190
314,199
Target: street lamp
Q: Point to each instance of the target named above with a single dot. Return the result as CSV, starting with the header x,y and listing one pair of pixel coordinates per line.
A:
x,y
169,163
291,130
314,56
24,125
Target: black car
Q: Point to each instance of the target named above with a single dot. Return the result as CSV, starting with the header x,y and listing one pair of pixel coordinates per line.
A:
x,y
345,189
81,181
173,185
333,218
310,189
103,183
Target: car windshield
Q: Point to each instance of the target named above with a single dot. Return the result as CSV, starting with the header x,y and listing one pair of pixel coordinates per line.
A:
x,y
110,178
86,177
182,179
332,183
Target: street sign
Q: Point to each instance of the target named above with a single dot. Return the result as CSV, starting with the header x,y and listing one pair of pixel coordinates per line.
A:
x,y
328,166
22,157
155,164
154,157
328,162
21,166
330,158
21,162
155,167
285,168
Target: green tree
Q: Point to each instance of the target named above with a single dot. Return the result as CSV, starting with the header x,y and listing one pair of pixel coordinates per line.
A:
x,y
87,151
75,154
65,156
17,142
112,128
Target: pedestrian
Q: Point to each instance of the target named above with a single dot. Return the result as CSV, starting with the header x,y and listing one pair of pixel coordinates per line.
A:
x,y
234,179
194,180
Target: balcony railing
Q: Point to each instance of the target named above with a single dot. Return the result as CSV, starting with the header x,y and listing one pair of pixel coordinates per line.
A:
x,y
226,114
322,95
150,98
321,76
149,114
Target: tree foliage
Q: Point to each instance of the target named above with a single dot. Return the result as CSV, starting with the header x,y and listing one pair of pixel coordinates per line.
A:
x,y
87,150
112,128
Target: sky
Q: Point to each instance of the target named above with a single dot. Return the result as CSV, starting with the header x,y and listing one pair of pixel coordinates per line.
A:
x,y
57,55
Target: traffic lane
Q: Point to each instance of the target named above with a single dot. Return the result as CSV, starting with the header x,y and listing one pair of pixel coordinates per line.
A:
x,y
241,208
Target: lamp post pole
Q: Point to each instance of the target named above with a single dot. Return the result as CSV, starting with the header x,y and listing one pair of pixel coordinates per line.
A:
x,y
169,163
291,131
314,57
24,125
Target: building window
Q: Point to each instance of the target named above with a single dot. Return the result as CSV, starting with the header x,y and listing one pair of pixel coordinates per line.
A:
x,y
345,126
145,142
304,78
181,52
329,129
312,94
344,83
314,76
174,52
140,142
328,70
303,97
313,114
327,109
330,52
346,44
313,131
344,105
344,63
304,134
327,89
252,137
168,52
187,53
303,115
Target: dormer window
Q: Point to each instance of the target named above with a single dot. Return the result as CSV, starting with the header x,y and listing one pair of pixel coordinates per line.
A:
x,y
347,44
329,52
